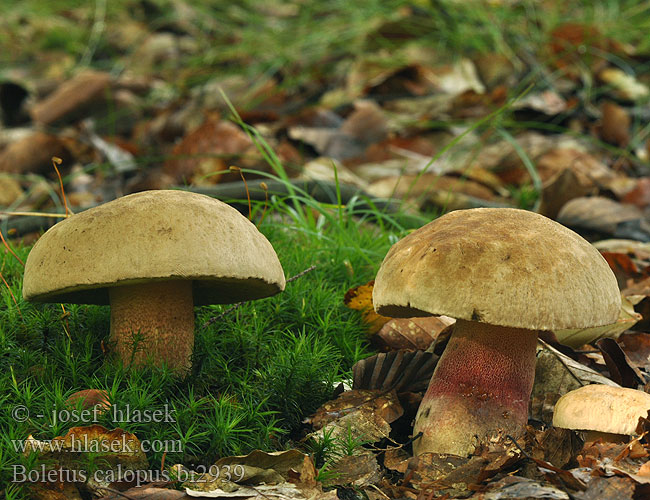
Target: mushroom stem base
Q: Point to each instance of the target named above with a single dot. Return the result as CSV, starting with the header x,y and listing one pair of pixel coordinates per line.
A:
x,y
479,389
153,323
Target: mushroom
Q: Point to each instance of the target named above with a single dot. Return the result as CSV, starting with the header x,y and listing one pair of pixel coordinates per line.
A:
x,y
602,411
504,274
153,256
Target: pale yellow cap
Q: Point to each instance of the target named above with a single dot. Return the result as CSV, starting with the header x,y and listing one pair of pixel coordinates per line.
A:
x,y
153,236
601,408
502,266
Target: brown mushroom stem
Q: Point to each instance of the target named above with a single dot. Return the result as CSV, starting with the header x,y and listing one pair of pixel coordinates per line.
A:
x,y
479,389
153,322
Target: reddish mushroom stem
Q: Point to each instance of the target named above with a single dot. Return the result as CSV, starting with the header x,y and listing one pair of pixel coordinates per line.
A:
x,y
480,388
153,322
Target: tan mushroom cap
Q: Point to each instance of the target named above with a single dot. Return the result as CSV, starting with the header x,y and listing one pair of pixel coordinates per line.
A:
x,y
153,236
502,266
601,408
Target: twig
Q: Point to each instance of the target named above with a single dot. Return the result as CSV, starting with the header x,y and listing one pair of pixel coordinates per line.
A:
x,y
116,492
33,214
12,295
10,249
239,304
301,274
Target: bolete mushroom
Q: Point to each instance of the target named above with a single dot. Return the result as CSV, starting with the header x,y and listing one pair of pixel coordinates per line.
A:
x,y
153,256
602,411
504,274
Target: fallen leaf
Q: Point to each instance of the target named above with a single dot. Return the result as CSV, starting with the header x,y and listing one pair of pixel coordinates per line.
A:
x,y
425,187
365,126
602,216
559,446
577,337
615,124
640,195
397,459
515,487
383,406
624,268
555,375
637,348
33,154
88,399
619,366
206,152
358,471
328,169
547,102
73,99
411,333
560,189
623,85
577,47
147,493
637,249
610,488
360,299
401,371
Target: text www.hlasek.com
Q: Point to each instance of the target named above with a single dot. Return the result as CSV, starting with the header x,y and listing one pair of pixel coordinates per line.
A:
x,y
86,444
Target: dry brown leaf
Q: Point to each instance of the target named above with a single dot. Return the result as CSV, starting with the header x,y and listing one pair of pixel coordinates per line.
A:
x,y
576,46
610,488
73,99
640,195
558,446
560,189
637,348
589,170
621,370
148,493
358,471
555,375
548,102
624,268
360,299
425,187
381,404
402,371
212,147
33,154
624,86
597,214
54,490
112,446
516,487
396,459
577,337
639,250
411,333
615,124
367,123
88,399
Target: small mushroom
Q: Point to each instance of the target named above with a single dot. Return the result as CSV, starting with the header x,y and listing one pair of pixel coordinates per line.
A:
x,y
153,256
602,411
504,274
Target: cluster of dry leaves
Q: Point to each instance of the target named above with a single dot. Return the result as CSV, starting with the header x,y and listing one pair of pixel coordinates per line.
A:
x,y
582,162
